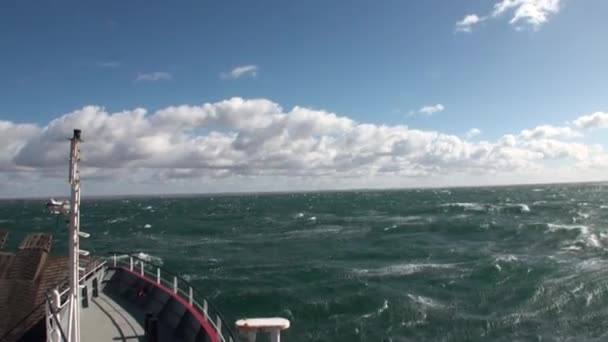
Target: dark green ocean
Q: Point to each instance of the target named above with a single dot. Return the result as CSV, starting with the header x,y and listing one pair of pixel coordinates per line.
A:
x,y
468,264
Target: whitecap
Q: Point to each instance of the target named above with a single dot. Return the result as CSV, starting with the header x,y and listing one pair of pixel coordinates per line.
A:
x,y
424,301
578,288
588,299
378,312
553,227
400,269
506,258
300,215
313,218
191,277
147,226
587,237
583,215
468,206
594,265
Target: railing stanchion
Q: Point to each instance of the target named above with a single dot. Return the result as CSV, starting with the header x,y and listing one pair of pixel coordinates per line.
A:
x,y
175,284
141,267
56,307
190,295
131,263
48,321
205,309
158,275
218,325
114,260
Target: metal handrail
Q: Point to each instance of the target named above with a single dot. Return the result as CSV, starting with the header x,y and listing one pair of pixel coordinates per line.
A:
x,y
220,324
54,317
60,305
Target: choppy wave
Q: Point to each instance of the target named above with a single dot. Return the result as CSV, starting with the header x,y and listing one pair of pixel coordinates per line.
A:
x,y
469,206
478,264
425,301
401,269
586,236
378,312
489,207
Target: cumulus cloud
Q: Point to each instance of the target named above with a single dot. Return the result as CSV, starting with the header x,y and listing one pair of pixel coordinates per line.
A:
x,y
532,13
548,131
431,109
467,23
473,132
13,137
241,71
154,76
595,120
257,139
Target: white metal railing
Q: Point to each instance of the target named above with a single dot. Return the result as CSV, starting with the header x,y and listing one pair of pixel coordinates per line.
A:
x,y
57,301
154,273
54,331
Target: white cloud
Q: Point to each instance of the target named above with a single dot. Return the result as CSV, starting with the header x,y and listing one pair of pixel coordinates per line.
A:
x,y
431,109
255,144
13,137
467,23
595,120
548,131
241,71
473,132
154,76
533,13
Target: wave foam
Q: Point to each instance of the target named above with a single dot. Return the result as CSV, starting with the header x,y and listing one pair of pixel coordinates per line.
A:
x,y
469,206
400,269
506,258
118,219
487,207
424,301
586,235
378,312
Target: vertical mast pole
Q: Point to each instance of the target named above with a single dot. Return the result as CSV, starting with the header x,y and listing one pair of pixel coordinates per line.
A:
x,y
74,245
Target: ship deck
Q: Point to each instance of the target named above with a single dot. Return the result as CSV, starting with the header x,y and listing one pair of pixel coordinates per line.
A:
x,y
113,319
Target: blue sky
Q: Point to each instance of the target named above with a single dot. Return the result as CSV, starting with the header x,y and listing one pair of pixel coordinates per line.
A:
x,y
374,62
